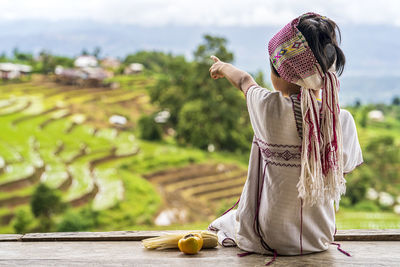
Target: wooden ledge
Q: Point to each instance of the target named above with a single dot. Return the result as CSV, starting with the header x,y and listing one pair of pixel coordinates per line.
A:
x,y
341,235
10,237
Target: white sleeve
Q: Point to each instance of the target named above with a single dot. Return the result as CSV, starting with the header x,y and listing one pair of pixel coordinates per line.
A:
x,y
352,154
257,99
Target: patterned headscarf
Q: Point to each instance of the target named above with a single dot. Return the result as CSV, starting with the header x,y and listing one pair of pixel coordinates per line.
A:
x,y
321,178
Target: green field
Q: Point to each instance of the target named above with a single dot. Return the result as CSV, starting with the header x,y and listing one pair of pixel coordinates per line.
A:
x,y
60,136
49,136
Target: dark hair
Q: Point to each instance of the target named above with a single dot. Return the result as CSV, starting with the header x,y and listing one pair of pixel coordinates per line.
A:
x,y
320,34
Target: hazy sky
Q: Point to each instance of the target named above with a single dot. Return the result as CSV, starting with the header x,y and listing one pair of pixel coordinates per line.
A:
x,y
204,12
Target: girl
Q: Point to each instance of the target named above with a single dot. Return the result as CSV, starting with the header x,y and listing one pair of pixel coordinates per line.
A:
x,y
301,149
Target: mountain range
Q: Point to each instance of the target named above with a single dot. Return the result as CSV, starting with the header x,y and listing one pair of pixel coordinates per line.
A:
x,y
372,72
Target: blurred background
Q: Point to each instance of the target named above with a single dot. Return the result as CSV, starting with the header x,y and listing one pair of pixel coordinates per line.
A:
x,y
110,120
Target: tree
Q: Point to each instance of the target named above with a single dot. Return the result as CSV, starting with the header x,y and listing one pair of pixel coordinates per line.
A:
x,y
96,52
396,101
22,57
203,111
222,108
173,87
364,115
84,220
48,62
22,221
380,170
148,128
46,202
213,45
357,103
259,78
3,57
194,127
383,157
84,52
156,61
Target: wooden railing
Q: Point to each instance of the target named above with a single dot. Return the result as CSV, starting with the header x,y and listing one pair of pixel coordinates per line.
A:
x,y
341,235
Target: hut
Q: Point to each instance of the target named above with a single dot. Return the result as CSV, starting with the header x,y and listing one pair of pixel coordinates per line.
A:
x,y
10,70
133,68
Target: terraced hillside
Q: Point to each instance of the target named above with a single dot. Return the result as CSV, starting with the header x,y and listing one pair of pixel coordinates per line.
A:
x,y
194,191
61,136
48,135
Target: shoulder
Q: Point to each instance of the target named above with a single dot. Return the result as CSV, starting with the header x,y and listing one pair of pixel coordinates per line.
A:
x,y
256,94
346,118
345,113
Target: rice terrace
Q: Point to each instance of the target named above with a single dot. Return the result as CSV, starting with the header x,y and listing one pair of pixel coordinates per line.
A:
x,y
60,135
41,124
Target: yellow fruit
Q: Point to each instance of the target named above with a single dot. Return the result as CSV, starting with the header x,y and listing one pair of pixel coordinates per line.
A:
x,y
210,240
191,243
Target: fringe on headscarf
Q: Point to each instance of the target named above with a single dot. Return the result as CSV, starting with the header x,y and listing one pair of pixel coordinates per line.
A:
x,y
321,178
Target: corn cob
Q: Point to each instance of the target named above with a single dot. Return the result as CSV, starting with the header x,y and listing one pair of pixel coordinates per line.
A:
x,y
210,240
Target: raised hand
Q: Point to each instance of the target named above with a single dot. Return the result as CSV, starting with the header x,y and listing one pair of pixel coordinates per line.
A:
x,y
215,69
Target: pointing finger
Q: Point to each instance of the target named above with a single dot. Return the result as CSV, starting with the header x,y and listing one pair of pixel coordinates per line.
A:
x,y
215,58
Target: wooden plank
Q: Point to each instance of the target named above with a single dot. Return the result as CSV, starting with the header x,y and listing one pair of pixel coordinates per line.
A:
x,y
133,254
10,237
96,236
368,235
342,235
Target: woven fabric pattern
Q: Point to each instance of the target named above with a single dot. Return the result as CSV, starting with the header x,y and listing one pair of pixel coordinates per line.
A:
x,y
291,55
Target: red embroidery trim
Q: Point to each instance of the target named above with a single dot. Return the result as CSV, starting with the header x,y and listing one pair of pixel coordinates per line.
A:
x,y
275,145
272,156
212,228
228,238
286,155
231,207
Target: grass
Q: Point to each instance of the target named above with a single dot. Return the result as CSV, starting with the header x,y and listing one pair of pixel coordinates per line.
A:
x,y
345,219
352,219
188,226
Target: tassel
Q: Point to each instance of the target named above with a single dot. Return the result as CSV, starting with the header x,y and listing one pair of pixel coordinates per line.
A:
x,y
341,250
332,149
273,259
321,177
244,254
311,183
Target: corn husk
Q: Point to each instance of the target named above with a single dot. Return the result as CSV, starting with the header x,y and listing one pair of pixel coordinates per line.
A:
x,y
210,240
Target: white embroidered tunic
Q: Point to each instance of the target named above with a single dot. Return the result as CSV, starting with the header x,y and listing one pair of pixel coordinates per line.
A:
x,y
270,189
